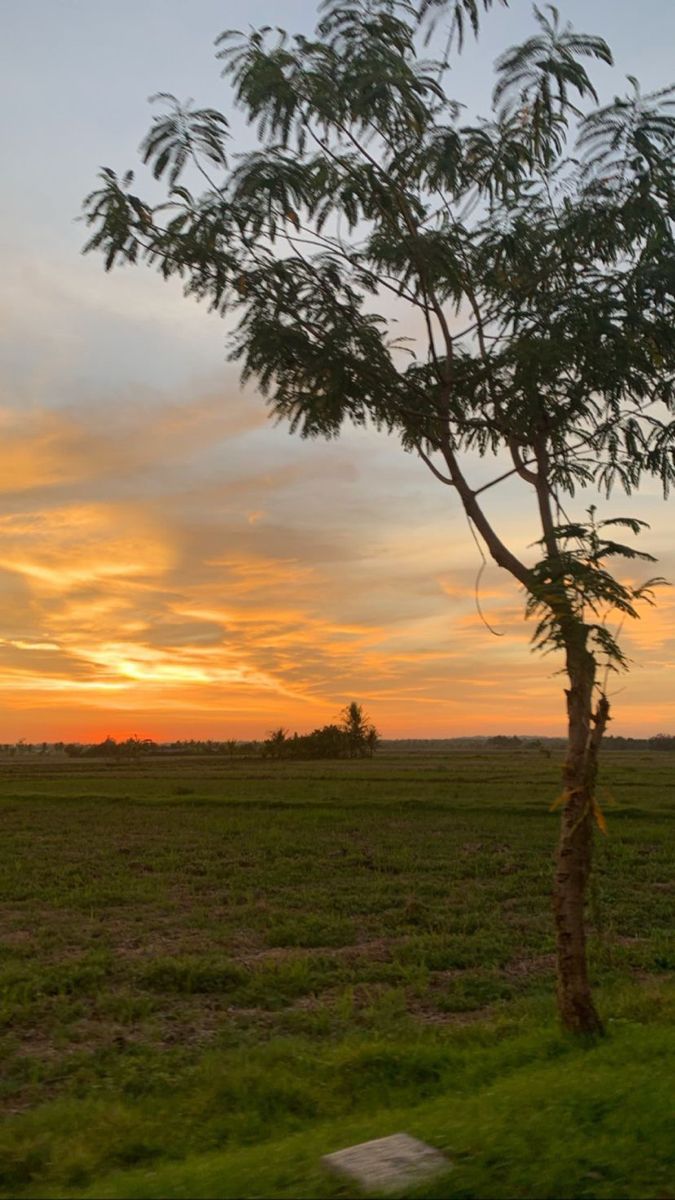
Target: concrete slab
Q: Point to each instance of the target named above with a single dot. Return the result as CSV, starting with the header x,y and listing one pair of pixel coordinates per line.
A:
x,y
389,1163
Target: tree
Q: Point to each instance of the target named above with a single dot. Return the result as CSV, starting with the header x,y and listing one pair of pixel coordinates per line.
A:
x,y
361,735
534,249
329,741
373,740
275,743
662,741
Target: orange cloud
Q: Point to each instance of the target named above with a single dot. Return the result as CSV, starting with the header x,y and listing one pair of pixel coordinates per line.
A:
x,y
180,569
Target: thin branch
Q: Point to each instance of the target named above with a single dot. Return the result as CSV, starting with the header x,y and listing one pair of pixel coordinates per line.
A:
x,y
476,586
404,209
434,470
500,479
499,552
544,491
520,466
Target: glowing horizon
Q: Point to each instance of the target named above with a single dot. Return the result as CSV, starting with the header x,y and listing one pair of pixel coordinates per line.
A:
x,y
169,600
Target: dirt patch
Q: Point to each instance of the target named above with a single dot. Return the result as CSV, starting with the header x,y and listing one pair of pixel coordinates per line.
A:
x,y
378,949
18,938
528,967
429,1016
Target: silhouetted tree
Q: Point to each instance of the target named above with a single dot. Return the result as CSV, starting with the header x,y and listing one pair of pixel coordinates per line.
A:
x,y
373,740
358,730
662,741
275,743
328,742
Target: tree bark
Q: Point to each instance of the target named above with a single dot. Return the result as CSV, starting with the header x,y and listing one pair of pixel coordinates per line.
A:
x,y
573,861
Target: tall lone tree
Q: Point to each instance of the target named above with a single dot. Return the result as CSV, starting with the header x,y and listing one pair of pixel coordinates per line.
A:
x,y
534,253
362,736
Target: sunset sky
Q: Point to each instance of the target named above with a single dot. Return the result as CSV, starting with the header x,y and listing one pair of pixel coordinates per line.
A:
x,y
171,563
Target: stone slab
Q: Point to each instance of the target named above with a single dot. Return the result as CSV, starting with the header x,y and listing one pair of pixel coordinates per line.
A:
x,y
388,1163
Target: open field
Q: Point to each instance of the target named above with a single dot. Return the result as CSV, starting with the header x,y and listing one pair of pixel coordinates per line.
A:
x,y
215,972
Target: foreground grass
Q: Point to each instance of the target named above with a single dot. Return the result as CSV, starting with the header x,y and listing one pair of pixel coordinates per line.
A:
x,y
209,982
543,1119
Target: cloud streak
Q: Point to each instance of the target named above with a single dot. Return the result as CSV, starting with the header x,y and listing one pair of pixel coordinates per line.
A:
x,y
177,567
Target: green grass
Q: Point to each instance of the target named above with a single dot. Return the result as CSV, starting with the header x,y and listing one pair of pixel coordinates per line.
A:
x,y
214,973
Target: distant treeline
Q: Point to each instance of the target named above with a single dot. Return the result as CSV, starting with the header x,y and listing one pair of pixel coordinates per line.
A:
x,y
501,741
660,741
135,747
354,737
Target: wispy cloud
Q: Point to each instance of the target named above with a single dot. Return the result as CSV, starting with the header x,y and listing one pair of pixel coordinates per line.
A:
x,y
176,566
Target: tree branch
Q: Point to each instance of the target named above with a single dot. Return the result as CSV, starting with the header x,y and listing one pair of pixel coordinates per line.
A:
x,y
520,465
498,551
434,470
543,489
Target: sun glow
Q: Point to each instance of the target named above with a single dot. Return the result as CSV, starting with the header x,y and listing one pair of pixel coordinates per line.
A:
x,y
183,606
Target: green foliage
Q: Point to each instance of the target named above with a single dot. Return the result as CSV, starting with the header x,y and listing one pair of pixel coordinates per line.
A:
x,y
535,246
181,135
462,14
190,975
534,81
574,586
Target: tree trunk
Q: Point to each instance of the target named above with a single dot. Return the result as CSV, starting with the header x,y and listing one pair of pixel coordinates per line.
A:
x,y
573,862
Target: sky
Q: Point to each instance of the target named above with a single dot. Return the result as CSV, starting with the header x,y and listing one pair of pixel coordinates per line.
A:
x,y
172,564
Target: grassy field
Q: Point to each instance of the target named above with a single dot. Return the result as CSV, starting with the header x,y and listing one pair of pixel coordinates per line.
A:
x,y
213,973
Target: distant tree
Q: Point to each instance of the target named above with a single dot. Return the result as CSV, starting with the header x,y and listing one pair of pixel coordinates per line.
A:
x,y
360,733
534,250
625,743
136,747
275,743
662,741
373,740
355,736
328,742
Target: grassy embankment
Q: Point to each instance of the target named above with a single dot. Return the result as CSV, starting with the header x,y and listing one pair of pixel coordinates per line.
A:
x,y
214,973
